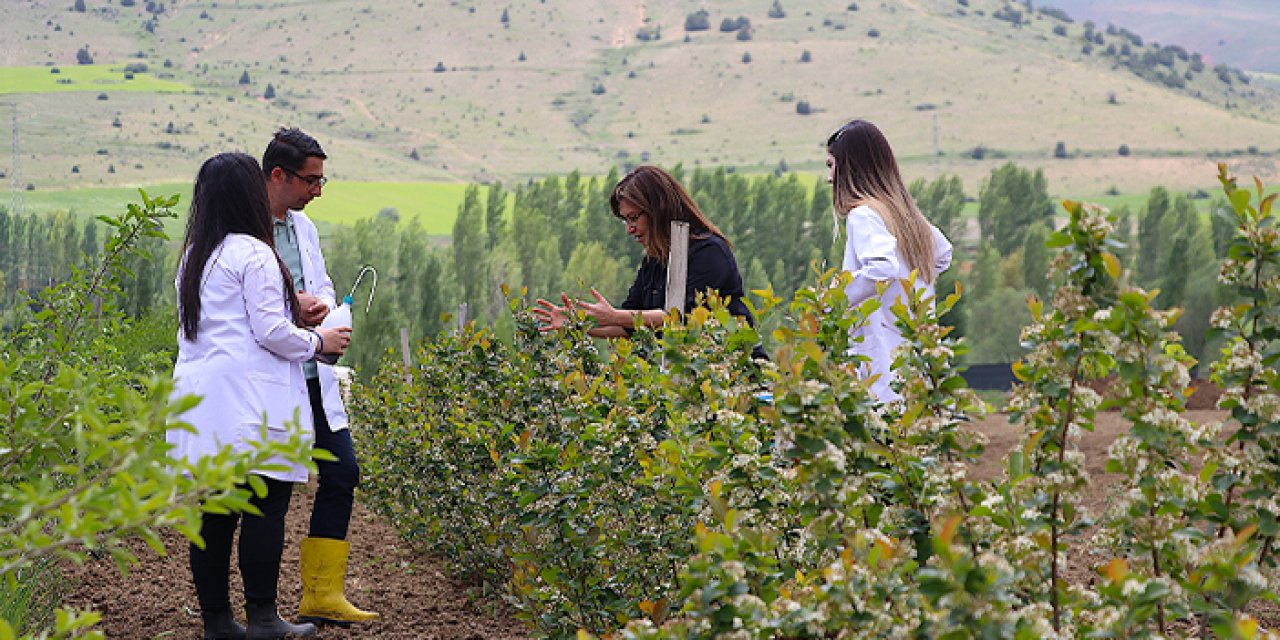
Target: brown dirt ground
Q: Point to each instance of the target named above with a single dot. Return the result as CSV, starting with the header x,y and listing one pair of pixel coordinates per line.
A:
x,y
409,588
386,574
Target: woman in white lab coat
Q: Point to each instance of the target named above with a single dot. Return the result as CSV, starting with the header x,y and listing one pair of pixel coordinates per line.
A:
x,y
241,349
888,238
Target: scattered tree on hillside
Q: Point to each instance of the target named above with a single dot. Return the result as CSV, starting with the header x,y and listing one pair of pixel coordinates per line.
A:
x,y
649,33
83,56
1008,14
1054,12
244,77
806,56
1060,150
746,58
699,20
506,18
270,93
79,6
776,11
1123,151
439,67
729,25
803,108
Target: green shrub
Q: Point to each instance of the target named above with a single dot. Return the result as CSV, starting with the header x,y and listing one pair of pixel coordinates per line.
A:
x,y
652,491
85,399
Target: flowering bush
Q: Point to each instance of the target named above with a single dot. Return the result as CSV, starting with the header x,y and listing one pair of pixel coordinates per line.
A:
x,y
653,491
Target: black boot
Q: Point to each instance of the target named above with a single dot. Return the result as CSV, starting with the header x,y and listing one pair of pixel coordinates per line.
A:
x,y
221,625
265,624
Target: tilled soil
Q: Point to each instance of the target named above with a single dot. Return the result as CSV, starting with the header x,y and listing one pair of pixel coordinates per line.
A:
x,y
387,575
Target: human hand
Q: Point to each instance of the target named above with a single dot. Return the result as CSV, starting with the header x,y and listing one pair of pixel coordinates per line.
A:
x,y
335,339
313,309
603,312
553,316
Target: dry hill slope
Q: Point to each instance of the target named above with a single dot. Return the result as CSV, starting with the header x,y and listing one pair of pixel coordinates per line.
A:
x,y
565,85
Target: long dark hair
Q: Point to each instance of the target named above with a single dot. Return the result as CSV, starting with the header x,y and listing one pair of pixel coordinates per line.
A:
x,y
230,196
866,173
662,198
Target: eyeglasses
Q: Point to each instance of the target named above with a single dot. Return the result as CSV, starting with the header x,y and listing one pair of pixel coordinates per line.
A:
x,y
312,181
631,221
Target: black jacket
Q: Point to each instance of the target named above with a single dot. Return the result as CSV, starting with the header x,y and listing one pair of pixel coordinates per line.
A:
x,y
711,268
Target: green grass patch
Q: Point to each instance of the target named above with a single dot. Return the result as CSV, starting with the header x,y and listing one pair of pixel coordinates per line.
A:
x,y
434,204
89,77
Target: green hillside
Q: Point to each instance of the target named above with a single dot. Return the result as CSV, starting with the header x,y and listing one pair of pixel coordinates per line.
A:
x,y
575,85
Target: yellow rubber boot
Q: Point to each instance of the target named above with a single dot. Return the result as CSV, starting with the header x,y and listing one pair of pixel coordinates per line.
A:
x,y
324,569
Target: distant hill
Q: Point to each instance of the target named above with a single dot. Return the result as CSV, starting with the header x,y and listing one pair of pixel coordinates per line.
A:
x,y
405,90
1241,33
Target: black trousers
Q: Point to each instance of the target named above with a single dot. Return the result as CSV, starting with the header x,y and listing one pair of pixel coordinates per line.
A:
x,y
261,544
338,479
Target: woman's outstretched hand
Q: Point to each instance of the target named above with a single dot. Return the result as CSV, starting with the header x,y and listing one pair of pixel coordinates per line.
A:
x,y
551,315
604,313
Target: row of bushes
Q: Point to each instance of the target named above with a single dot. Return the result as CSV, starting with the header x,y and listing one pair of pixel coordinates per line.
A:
x,y
654,491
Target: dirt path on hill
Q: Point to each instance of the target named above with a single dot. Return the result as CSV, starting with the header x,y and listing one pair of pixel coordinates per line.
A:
x,y
409,588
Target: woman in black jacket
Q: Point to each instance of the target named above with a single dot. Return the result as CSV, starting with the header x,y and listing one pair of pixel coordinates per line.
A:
x,y
648,199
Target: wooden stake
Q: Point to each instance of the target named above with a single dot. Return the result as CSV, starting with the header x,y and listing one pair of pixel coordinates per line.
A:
x,y
677,266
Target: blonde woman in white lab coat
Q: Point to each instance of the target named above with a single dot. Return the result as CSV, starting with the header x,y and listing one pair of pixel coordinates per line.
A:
x,y
887,239
241,349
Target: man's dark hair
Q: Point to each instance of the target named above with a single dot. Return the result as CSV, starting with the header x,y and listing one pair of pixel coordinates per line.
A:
x,y
289,149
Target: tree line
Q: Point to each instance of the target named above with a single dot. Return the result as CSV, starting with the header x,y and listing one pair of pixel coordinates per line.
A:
x,y
542,237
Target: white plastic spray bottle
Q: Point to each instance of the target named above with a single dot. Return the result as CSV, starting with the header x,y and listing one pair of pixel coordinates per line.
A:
x,y
341,316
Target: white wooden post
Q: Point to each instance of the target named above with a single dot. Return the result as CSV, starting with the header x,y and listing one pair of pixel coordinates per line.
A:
x,y
677,266
462,316
404,353
404,347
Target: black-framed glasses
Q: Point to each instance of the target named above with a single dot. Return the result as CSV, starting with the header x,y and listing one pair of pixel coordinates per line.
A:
x,y
312,181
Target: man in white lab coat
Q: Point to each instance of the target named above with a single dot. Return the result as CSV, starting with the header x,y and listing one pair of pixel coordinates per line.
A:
x,y
294,168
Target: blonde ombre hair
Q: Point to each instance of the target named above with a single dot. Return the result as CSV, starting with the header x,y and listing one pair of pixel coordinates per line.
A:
x,y
866,173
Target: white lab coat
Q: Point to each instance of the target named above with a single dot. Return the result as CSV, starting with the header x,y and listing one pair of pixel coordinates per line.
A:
x,y
246,359
320,286
871,255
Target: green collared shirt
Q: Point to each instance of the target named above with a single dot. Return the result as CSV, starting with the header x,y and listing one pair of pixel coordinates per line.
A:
x,y
291,253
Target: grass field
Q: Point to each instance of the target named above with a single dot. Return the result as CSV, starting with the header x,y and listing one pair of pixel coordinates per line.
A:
x,y
91,77
433,204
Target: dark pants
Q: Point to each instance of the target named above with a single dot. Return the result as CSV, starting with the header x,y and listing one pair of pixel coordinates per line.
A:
x,y
338,479
261,543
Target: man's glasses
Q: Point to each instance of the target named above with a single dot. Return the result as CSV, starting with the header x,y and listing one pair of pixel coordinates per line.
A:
x,y
312,181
